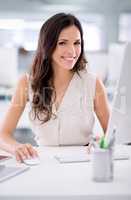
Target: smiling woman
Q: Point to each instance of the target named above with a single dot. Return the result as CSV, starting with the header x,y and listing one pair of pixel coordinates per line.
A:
x,y
63,96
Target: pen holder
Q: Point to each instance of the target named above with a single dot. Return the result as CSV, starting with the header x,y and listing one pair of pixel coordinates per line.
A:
x,y
102,165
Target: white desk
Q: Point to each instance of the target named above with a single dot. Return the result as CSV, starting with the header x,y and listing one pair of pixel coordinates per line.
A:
x,y
51,180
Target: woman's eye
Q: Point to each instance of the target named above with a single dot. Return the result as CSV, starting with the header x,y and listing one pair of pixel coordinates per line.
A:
x,y
77,43
61,43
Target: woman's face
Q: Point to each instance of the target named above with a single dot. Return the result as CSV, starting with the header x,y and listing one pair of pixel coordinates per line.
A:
x,y
68,48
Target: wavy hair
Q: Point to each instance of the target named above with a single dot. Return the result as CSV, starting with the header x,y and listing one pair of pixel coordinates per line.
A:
x,y
41,70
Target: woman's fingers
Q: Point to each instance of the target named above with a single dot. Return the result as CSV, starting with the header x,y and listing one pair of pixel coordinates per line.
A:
x,y
25,151
20,154
31,150
18,157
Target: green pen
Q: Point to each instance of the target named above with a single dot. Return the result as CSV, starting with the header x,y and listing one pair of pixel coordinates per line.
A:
x,y
103,143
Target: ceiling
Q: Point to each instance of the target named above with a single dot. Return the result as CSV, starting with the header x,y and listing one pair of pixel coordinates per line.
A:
x,y
37,9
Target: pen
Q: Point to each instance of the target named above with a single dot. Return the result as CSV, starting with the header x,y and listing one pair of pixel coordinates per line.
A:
x,y
103,143
112,138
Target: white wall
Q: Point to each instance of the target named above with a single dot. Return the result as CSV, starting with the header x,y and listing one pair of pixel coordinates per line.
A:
x,y
98,64
8,66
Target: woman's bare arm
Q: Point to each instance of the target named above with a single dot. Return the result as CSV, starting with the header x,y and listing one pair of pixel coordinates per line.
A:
x,y
16,108
101,105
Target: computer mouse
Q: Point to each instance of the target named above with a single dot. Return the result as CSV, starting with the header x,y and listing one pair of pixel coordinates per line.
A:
x,y
32,161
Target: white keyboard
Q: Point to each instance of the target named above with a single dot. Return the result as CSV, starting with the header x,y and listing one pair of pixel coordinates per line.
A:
x,y
72,158
120,153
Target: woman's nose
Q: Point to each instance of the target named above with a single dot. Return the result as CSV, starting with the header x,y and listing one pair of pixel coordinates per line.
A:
x,y
71,50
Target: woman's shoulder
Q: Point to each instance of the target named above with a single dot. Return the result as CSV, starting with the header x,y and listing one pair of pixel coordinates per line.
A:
x,y
24,79
23,82
89,80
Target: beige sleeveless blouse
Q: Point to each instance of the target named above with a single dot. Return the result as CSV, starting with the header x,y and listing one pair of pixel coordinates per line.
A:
x,y
74,119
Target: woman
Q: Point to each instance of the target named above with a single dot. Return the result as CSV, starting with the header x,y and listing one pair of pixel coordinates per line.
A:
x,y
62,94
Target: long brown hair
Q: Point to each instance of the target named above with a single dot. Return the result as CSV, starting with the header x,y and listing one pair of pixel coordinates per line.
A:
x,y
41,71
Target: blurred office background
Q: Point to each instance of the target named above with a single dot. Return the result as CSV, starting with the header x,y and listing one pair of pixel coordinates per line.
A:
x,y
106,25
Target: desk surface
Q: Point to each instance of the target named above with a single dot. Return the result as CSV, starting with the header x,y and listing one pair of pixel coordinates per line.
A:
x,y
52,180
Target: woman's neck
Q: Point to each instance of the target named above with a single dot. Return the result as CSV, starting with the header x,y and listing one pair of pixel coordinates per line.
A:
x,y
61,77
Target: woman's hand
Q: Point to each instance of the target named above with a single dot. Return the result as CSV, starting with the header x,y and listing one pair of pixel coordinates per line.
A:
x,y
24,151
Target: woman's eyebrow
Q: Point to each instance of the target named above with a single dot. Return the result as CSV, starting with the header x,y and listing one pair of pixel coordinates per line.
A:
x,y
62,39
78,40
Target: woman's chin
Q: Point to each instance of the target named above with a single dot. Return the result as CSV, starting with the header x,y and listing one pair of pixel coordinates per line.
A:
x,y
68,67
